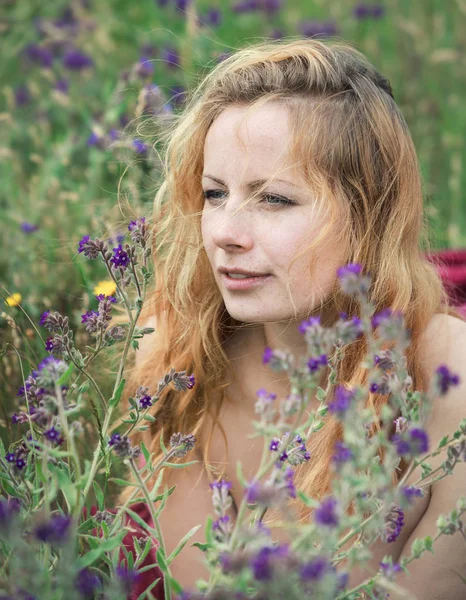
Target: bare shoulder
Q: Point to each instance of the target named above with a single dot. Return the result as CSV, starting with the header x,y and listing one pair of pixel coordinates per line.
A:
x,y
145,342
443,340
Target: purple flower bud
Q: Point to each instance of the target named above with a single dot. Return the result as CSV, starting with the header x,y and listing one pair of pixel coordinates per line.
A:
x,y
43,317
315,569
352,280
39,55
126,578
62,86
318,28
342,402
22,95
54,531
394,522
139,146
445,379
75,60
120,257
29,227
87,583
263,563
341,453
326,513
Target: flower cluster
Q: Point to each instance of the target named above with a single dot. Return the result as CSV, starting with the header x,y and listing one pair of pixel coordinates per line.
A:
x,y
222,501
122,446
181,444
294,455
275,491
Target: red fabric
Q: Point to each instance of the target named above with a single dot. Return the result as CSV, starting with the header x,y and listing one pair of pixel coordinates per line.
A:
x,y
146,578
451,266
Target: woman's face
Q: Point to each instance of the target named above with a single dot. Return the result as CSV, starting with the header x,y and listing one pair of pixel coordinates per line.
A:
x,y
264,236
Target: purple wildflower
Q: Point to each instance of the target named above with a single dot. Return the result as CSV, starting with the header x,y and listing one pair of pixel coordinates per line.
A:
x,y
318,28
212,18
342,402
120,258
315,569
274,445
390,570
75,60
341,453
127,578
311,322
39,55
352,280
145,402
62,86
43,317
314,364
182,443
412,492
10,457
394,522
262,564
29,227
87,583
326,513
145,67
445,379
268,355
246,6
49,345
114,439
54,531
364,11
412,442
53,435
22,95
171,56
139,146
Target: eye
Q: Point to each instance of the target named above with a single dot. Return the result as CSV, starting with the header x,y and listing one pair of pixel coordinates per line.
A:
x,y
281,200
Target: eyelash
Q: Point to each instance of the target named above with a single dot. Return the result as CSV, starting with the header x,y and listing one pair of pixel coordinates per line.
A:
x,y
285,202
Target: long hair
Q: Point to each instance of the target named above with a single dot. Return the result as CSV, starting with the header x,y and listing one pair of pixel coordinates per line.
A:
x,y
354,148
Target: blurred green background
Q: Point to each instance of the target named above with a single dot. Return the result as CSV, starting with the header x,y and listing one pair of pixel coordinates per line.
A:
x,y
87,84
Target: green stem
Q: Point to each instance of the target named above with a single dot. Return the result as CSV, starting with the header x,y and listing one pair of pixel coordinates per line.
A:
x,y
150,504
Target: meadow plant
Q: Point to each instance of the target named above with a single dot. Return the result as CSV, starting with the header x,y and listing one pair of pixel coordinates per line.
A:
x,y
52,547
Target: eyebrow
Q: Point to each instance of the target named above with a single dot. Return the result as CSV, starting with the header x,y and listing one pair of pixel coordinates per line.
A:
x,y
252,184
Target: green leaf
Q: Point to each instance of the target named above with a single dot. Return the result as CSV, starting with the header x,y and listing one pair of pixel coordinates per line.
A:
x,y
66,375
428,543
239,473
99,495
175,586
203,547
320,394
114,401
140,521
67,487
180,466
182,543
145,451
93,555
86,525
307,500
123,482
162,445
170,492
135,344
443,442
148,589
149,418
208,530
161,561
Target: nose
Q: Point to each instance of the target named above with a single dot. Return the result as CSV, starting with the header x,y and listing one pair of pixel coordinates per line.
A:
x,y
232,225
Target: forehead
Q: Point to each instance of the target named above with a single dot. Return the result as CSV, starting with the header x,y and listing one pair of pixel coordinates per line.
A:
x,y
260,133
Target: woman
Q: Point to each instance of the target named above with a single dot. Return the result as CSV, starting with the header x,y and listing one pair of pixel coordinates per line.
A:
x,y
289,160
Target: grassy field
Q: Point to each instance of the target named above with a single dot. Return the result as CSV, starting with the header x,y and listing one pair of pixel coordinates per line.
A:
x,y
86,86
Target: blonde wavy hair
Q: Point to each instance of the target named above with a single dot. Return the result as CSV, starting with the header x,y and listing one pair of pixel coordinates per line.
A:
x,y
355,150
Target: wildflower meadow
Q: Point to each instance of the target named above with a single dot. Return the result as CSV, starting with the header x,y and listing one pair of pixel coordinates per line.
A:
x,y
86,87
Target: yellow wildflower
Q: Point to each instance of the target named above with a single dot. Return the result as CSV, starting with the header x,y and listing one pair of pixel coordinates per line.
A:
x,y
14,300
107,287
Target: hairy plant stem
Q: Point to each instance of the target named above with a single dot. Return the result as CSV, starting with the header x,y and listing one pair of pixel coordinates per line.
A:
x,y
155,520
109,413
71,445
